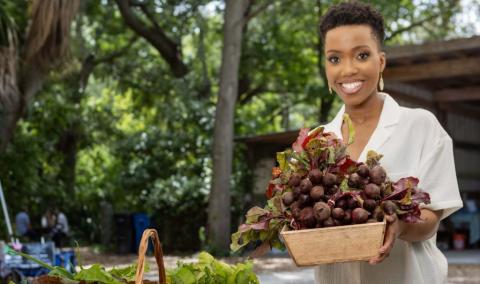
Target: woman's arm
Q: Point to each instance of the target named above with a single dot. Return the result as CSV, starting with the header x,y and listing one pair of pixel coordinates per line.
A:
x,y
410,232
415,232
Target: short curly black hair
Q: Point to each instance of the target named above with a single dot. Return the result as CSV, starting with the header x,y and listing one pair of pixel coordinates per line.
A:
x,y
353,13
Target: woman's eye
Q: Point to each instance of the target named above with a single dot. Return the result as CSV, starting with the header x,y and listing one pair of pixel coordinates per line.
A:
x,y
334,59
363,55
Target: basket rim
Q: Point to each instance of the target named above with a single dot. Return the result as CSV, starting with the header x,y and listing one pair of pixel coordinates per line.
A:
x,y
286,231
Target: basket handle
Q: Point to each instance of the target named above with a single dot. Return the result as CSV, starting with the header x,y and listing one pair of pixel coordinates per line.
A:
x,y
142,250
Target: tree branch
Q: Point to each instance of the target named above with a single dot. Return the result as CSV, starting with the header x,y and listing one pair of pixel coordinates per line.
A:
x,y
168,49
413,25
260,9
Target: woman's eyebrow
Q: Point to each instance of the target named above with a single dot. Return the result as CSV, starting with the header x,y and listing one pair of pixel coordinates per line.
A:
x,y
355,48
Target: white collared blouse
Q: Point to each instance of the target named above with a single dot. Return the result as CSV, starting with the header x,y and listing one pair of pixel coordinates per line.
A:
x,y
413,144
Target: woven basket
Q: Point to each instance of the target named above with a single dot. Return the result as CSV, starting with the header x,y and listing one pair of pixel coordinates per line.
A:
x,y
142,250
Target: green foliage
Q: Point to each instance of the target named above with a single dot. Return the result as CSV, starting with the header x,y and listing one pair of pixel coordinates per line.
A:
x,y
210,270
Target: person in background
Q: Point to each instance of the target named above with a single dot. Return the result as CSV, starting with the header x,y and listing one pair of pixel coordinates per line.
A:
x,y
23,226
48,222
61,231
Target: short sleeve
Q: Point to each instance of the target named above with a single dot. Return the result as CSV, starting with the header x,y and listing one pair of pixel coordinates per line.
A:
x,y
438,177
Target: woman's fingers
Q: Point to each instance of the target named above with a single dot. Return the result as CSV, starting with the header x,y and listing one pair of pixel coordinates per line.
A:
x,y
390,237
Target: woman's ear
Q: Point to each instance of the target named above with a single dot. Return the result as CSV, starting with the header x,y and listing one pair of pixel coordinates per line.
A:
x,y
383,60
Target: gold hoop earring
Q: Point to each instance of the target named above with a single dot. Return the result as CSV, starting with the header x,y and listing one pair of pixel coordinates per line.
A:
x,y
329,89
380,82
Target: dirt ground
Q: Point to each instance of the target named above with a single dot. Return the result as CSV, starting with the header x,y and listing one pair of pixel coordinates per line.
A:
x,y
465,273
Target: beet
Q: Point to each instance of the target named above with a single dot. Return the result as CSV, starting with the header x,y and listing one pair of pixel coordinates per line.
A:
x,y
341,204
305,186
317,192
369,205
329,179
378,214
347,219
338,213
295,208
322,211
307,217
389,207
352,203
329,222
288,198
363,171
296,192
359,216
294,180
354,180
372,191
332,190
304,200
315,176
377,175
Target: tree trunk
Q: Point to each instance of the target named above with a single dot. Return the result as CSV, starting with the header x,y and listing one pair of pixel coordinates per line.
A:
x,y
219,200
326,99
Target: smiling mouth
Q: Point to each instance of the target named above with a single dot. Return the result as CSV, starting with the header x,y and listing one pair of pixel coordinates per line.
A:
x,y
351,87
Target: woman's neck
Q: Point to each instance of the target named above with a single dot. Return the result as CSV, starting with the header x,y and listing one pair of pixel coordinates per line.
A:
x,y
369,110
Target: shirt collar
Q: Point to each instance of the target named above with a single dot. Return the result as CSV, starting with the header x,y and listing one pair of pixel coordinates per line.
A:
x,y
389,116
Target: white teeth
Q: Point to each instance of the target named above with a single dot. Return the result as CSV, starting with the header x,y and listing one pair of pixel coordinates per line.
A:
x,y
352,85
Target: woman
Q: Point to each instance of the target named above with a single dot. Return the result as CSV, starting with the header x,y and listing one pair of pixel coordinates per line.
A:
x,y
412,141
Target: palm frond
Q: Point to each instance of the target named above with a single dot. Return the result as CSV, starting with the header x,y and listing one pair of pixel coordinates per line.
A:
x,y
49,31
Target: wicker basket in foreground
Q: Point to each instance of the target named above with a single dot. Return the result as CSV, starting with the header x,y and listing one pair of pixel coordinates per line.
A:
x,y
334,244
142,250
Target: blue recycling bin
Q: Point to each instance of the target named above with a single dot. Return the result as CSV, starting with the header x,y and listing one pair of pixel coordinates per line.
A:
x,y
66,259
141,222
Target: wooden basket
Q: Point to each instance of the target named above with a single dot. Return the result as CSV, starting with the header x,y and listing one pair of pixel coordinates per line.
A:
x,y
335,244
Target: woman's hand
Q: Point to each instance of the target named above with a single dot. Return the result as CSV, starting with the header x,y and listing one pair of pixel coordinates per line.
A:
x,y
394,229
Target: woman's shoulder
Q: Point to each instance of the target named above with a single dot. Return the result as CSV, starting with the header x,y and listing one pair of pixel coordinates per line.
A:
x,y
423,120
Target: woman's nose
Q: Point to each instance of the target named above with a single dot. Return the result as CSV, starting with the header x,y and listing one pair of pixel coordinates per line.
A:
x,y
349,68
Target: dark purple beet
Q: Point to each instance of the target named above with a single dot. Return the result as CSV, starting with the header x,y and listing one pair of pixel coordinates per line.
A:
x,y
372,191
338,213
315,176
329,222
332,190
296,191
359,216
304,200
341,204
295,207
307,217
305,186
377,175
329,179
369,205
347,220
378,214
288,198
389,207
363,171
317,192
354,180
322,211
352,203
294,180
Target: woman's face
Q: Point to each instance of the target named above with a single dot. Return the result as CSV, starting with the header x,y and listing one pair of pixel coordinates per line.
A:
x,y
353,62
